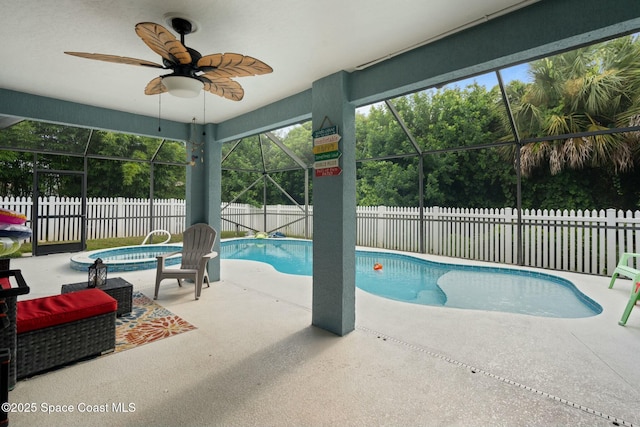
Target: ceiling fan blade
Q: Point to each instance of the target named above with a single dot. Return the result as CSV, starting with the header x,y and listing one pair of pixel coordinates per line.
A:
x,y
223,87
232,65
116,59
162,42
155,87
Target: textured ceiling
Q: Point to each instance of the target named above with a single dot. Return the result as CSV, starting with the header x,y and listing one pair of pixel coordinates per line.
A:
x,y
302,40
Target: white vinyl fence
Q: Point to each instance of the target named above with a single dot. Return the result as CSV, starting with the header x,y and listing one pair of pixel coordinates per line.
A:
x,y
580,241
106,217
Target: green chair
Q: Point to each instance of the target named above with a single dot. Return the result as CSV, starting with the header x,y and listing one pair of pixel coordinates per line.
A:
x,y
633,299
624,269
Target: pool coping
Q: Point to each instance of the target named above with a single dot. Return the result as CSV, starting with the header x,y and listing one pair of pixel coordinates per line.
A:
x,y
83,260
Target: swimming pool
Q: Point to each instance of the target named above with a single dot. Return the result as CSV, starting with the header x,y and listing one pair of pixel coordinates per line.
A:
x,y
415,280
127,258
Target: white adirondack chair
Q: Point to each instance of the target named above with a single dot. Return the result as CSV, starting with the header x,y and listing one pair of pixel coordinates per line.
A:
x,y
197,250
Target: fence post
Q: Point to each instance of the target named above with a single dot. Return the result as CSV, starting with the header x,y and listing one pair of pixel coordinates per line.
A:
x,y
612,253
53,203
381,230
120,217
508,235
435,239
279,221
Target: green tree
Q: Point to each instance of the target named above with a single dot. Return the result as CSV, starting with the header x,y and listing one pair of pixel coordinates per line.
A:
x,y
241,167
588,89
64,147
385,180
15,174
247,160
439,120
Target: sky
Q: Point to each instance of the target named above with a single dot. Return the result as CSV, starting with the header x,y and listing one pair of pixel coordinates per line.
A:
x,y
489,80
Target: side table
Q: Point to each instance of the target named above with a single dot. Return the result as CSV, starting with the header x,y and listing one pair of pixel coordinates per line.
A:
x,y
117,288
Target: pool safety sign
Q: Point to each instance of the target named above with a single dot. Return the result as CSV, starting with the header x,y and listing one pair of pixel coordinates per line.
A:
x,y
326,153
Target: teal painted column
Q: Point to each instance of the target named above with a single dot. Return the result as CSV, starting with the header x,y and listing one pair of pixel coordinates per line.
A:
x,y
196,207
334,213
213,162
204,188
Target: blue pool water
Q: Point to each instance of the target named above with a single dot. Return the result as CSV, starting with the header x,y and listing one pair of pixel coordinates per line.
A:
x,y
411,279
127,258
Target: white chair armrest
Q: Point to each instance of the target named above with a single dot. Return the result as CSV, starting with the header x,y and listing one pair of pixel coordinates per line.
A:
x,y
205,259
164,256
211,255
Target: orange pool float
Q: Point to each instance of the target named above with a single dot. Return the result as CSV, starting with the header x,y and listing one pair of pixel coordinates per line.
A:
x,y
377,266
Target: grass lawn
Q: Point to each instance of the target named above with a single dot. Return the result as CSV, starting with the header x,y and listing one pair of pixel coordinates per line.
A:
x,y
93,245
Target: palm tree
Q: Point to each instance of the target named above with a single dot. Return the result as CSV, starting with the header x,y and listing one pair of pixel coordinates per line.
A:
x,y
585,90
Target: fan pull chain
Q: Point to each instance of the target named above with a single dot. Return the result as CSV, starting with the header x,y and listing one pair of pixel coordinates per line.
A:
x,y
204,113
204,124
159,110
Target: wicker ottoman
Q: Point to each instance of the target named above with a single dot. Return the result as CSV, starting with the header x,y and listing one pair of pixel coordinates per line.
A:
x,y
57,330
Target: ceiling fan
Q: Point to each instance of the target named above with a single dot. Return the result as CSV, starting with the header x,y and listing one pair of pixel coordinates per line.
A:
x,y
191,71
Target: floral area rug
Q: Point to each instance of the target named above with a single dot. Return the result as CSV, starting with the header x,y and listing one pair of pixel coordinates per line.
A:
x,y
147,322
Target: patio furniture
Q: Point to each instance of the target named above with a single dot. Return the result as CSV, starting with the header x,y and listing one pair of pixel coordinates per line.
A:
x,y
633,299
5,358
5,351
9,294
57,330
197,250
116,287
624,269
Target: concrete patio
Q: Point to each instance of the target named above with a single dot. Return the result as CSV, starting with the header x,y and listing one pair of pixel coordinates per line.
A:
x,y
256,360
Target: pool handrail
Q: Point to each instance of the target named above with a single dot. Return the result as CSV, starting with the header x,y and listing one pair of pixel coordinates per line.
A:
x,y
157,232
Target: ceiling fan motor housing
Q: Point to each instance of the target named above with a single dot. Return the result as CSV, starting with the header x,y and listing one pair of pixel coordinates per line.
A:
x,y
189,69
181,26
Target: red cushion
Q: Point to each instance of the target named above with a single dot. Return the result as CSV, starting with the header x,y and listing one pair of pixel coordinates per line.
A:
x,y
5,283
40,313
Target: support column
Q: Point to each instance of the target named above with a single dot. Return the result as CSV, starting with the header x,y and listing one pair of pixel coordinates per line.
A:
x,y
334,213
204,189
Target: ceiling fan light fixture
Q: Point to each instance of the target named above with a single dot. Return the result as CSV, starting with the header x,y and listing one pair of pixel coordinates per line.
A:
x,y
182,86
